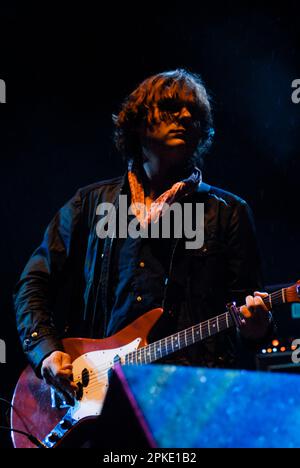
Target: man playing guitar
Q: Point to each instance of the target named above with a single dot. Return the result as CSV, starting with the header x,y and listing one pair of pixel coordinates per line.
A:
x,y
79,284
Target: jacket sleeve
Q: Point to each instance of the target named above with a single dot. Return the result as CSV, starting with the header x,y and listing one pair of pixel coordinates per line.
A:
x,y
34,291
244,261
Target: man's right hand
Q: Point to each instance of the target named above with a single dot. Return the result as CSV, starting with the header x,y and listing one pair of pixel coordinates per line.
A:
x,y
56,371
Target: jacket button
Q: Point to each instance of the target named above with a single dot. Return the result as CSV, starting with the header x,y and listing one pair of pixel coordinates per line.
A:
x,y
142,264
34,335
139,298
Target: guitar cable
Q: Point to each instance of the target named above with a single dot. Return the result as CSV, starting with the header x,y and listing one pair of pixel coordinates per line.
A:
x,y
37,442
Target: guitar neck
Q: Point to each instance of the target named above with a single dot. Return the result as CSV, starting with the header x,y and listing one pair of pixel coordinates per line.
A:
x,y
203,330
282,296
180,340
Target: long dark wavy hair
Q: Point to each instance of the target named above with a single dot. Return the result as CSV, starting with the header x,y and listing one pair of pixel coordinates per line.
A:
x,y
138,108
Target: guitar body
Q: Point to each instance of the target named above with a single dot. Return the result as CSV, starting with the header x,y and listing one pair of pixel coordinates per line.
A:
x,y
36,409
92,360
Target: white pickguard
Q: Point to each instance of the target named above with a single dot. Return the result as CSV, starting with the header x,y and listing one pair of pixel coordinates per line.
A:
x,y
98,363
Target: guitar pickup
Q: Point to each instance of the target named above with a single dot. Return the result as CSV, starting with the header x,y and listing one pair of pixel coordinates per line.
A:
x,y
298,290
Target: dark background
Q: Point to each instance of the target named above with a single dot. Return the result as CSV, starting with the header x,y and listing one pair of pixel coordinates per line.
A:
x,y
66,71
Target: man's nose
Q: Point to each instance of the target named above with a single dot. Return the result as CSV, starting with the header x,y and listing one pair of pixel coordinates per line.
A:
x,y
185,113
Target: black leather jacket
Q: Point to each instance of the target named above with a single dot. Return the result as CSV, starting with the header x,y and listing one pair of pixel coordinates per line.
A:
x,y
64,287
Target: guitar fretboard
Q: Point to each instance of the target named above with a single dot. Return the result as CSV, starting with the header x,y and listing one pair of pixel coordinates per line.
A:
x,y
196,333
180,340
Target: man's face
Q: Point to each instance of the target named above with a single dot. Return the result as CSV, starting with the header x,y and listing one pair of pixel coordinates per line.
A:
x,y
175,132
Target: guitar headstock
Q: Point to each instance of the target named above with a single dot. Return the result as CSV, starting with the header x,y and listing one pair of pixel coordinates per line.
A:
x,y
293,293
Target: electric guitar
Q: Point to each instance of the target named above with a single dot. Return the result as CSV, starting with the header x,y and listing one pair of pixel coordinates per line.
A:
x,y
37,411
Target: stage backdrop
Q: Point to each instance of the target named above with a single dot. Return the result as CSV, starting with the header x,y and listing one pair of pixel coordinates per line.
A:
x,y
66,71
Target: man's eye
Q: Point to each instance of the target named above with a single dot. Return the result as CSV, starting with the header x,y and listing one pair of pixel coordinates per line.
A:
x,y
172,106
169,106
194,110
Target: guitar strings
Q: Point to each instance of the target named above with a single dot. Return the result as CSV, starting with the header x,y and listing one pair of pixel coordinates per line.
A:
x,y
276,297
153,347
103,369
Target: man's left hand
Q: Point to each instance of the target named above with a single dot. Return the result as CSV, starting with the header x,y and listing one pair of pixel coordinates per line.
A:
x,y
257,317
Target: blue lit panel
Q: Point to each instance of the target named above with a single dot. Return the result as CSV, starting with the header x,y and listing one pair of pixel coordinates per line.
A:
x,y
296,311
194,407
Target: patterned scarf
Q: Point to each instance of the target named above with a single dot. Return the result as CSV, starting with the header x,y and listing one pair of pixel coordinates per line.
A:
x,y
157,209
